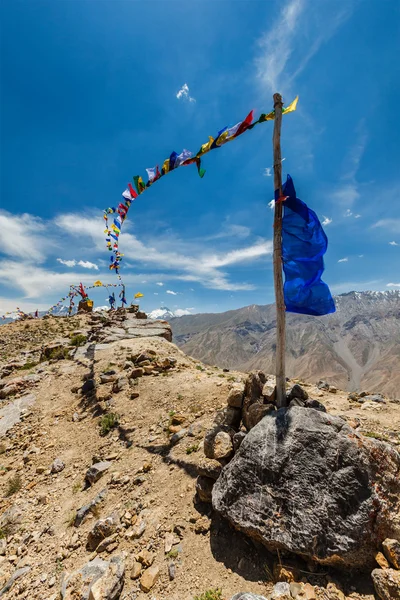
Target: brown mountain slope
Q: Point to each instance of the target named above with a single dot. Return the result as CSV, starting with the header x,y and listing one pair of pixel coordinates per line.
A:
x,y
355,348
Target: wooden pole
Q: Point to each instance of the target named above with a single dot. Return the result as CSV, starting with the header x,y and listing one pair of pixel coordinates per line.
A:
x,y
278,278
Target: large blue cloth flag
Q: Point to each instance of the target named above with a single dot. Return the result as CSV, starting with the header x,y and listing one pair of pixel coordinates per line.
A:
x,y
303,245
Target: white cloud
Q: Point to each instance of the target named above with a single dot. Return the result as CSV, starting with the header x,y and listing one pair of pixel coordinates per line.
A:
x,y
172,293
392,225
361,256
348,213
393,243
88,265
67,263
23,236
156,293
357,216
159,283
343,260
268,172
81,263
271,204
231,230
393,285
183,94
326,221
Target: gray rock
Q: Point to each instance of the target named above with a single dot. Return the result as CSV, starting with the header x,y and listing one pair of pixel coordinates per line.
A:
x,y
171,571
269,392
108,376
3,547
314,404
229,416
96,580
121,384
94,473
88,386
178,436
83,512
306,482
296,402
386,583
375,398
297,392
322,385
16,575
57,466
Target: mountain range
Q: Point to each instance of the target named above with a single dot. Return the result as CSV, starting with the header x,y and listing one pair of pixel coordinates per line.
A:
x,y
355,348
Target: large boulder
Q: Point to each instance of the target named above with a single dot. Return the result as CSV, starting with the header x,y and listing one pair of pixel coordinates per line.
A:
x,y
304,481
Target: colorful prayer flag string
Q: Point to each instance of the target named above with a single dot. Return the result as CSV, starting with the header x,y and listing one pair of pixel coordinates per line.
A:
x,y
174,161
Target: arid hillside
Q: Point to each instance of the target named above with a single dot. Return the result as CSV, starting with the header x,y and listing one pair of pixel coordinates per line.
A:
x,y
356,348
102,417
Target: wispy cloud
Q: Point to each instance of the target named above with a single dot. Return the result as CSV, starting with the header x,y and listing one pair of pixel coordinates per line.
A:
x,y
67,263
159,283
285,49
393,285
183,94
172,293
326,221
267,172
343,260
393,244
392,225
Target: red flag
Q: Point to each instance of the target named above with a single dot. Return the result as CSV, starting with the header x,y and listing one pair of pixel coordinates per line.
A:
x,y
245,124
133,193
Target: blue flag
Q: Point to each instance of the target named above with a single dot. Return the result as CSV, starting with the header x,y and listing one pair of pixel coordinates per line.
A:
x,y
303,245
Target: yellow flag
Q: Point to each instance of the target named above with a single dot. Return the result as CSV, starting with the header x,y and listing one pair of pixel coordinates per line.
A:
x,y
138,295
97,283
166,165
292,106
206,147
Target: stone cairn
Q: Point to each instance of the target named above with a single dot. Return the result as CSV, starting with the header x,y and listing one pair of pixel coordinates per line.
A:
x,y
248,403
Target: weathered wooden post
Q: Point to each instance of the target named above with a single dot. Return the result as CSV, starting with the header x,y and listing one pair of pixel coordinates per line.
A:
x,y
278,278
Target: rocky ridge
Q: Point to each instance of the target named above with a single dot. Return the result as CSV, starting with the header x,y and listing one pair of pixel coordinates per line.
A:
x,y
100,477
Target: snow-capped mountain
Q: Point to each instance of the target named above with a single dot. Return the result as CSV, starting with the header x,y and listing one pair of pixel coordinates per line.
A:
x,y
165,313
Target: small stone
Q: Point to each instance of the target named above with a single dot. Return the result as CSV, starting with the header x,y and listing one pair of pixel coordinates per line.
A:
x,y
238,439
109,544
178,436
108,377
322,385
391,548
149,578
235,396
332,389
134,395
135,373
297,392
139,528
52,581
281,590
96,471
3,547
296,589
41,469
381,560
57,466
146,558
121,384
209,467
136,570
223,447
171,571
202,526
309,592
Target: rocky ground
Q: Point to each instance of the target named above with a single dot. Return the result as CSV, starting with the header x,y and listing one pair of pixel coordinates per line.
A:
x,y
102,424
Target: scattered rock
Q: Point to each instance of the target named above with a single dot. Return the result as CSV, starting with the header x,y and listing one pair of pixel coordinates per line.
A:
x,y
149,578
281,591
322,385
146,558
57,466
391,549
83,512
314,404
135,373
16,575
235,396
269,392
178,436
348,490
138,528
332,389
247,596
96,471
381,560
120,384
171,571
96,580
223,447
386,583
224,442
103,528
297,392
136,569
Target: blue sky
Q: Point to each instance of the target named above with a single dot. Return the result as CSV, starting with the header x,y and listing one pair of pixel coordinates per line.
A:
x,y
90,97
